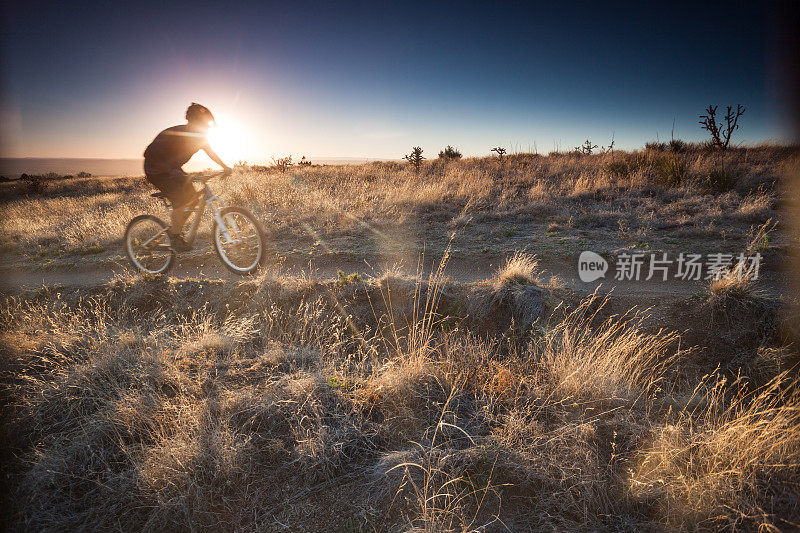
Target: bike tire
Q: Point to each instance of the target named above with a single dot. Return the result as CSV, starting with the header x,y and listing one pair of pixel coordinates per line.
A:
x,y
248,269
129,252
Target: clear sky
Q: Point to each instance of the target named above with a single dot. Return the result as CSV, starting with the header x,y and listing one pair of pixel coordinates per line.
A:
x,y
372,79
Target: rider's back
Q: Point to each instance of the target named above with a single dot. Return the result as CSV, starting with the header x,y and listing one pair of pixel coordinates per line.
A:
x,y
173,147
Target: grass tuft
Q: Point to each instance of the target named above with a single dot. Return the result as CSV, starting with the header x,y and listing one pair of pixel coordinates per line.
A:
x,y
708,468
520,268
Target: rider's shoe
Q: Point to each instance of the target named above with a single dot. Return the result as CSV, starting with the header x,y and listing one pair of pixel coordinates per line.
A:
x,y
179,244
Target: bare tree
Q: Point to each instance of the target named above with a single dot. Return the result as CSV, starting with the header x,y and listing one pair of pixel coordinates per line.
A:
x,y
415,158
500,151
610,147
282,163
586,148
721,135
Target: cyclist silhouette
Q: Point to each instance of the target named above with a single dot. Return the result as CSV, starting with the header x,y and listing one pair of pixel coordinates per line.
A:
x,y
165,156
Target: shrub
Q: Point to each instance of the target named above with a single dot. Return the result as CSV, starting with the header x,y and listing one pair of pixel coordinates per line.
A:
x,y
282,164
655,146
617,169
721,135
719,180
346,279
671,171
639,161
450,153
586,148
84,174
678,146
34,183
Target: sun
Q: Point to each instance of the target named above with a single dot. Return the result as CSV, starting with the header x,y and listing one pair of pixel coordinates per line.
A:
x,y
229,139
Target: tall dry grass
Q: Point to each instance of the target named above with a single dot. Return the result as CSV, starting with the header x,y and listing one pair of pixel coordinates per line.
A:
x,y
157,404
615,359
729,460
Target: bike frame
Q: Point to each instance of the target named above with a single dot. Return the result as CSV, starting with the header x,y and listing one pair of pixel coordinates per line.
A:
x,y
215,205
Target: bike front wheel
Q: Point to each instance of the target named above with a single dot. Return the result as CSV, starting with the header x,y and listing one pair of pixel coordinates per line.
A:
x,y
148,246
239,241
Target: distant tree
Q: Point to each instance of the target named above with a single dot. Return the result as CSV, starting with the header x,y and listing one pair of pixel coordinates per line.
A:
x,y
586,148
610,148
449,153
415,158
282,163
304,161
721,135
500,151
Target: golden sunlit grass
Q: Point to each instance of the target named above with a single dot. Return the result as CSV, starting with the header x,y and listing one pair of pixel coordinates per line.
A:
x,y
166,404
616,359
389,209
519,268
737,282
731,463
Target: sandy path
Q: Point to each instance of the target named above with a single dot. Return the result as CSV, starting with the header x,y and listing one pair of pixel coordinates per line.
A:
x,y
462,269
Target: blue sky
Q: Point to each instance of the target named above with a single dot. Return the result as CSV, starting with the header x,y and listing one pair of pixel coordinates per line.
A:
x,y
372,79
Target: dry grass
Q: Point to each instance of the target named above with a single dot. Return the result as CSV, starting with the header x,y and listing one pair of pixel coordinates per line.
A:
x,y
393,211
156,404
519,268
614,360
737,283
734,297
728,463
398,403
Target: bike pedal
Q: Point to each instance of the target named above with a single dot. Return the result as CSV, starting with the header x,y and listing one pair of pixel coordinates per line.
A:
x,y
179,245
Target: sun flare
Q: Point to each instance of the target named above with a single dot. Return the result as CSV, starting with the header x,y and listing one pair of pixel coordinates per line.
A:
x,y
229,139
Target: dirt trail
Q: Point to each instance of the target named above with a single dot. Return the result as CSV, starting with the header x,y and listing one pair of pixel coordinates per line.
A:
x,y
462,269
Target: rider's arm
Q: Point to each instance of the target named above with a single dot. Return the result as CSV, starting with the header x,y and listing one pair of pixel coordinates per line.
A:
x,y
216,159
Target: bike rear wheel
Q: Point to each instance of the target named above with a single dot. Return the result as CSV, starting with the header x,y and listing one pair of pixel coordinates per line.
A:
x,y
148,246
243,249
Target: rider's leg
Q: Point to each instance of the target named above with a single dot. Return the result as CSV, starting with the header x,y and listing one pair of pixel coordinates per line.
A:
x,y
177,220
178,217
184,200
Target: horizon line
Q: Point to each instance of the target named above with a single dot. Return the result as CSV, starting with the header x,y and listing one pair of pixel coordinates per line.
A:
x,y
765,142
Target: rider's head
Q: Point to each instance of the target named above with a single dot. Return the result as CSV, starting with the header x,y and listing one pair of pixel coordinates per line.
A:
x,y
199,115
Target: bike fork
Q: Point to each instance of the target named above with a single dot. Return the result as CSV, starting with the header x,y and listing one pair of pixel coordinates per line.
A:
x,y
223,226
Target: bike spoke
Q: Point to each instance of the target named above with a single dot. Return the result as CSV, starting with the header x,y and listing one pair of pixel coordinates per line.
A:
x,y
242,249
149,246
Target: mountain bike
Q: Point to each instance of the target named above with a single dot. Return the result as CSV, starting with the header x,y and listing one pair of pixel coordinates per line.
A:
x,y
237,235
